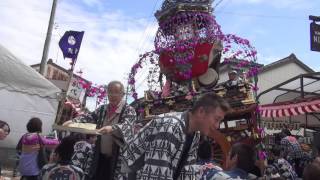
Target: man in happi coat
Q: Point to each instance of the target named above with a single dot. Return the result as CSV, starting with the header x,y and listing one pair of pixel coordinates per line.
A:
x,y
166,148
107,163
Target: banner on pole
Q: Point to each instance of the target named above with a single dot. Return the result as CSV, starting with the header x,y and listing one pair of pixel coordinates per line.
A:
x,y
70,44
315,36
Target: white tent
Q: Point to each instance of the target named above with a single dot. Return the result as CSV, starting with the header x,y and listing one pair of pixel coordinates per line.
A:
x,y
24,94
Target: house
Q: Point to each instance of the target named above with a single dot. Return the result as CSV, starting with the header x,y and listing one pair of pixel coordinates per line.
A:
x,y
271,75
57,75
278,72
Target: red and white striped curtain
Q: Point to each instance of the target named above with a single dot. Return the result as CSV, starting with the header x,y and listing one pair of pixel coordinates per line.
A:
x,y
286,110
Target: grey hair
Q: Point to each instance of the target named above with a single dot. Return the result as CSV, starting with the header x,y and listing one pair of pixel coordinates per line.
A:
x,y
112,83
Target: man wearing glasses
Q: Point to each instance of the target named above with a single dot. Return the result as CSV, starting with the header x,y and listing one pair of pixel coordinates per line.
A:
x,y
106,164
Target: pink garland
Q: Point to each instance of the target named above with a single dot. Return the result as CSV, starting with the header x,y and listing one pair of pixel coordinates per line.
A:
x,y
98,91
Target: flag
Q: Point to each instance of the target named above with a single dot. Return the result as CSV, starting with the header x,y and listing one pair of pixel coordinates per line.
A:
x,y
70,44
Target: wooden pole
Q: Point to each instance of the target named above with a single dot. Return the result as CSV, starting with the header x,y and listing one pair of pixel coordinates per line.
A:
x,y
64,98
44,58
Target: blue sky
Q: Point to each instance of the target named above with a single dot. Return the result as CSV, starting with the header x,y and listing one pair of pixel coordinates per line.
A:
x,y
117,31
275,29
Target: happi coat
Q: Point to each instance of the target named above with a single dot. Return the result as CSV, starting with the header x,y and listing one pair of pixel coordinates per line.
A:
x,y
154,152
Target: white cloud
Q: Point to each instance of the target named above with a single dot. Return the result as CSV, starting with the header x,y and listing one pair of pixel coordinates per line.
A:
x,y
111,44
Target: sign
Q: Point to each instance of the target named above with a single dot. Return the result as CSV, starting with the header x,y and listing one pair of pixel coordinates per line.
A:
x,y
70,44
315,36
75,90
279,125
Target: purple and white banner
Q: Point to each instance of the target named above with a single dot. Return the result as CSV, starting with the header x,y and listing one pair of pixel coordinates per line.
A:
x,y
70,44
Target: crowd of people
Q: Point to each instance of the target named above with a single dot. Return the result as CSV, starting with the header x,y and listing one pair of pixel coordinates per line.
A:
x,y
169,147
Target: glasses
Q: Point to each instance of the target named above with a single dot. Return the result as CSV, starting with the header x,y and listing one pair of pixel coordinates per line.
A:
x,y
115,94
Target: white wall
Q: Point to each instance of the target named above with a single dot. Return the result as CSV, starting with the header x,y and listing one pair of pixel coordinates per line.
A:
x,y
272,77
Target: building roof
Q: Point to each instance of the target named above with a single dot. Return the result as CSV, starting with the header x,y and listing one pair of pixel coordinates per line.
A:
x,y
61,68
291,58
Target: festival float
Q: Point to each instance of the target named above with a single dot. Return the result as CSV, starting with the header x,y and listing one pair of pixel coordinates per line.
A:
x,y
189,49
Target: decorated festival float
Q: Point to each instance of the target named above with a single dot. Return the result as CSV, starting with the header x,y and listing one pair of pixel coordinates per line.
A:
x,y
189,48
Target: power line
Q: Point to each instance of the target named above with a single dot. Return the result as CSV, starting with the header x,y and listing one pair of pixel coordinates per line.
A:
x,y
148,38
217,4
104,20
224,6
262,15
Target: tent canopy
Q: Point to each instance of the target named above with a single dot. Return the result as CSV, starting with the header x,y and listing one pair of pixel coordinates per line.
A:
x,y
24,94
16,76
297,96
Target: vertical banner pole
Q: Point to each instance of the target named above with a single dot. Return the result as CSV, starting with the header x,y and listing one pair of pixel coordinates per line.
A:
x,y
64,98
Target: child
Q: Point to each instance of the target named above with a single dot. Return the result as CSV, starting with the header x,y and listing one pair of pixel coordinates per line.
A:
x,y
62,169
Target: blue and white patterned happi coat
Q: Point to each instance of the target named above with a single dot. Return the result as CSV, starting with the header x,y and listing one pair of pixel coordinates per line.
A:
x,y
154,152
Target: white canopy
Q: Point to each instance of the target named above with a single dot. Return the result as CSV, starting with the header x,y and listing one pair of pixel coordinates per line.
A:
x,y
16,76
24,94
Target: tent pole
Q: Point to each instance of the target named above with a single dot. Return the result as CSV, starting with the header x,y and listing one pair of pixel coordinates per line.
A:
x,y
306,125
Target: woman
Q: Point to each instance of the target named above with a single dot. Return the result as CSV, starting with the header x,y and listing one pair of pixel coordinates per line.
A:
x,y
30,145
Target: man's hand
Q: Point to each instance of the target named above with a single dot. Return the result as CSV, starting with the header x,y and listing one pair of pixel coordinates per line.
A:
x,y
3,134
105,130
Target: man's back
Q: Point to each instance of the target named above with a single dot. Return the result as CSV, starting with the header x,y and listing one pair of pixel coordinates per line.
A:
x,y
292,147
83,156
158,146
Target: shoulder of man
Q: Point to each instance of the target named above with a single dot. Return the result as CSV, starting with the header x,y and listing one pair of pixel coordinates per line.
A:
x,y
169,121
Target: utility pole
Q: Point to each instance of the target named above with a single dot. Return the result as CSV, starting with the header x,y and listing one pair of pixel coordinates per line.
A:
x,y
48,39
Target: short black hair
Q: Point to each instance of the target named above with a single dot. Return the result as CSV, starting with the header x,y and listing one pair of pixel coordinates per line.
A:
x,y
205,150
34,125
65,148
210,100
312,171
246,156
276,150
